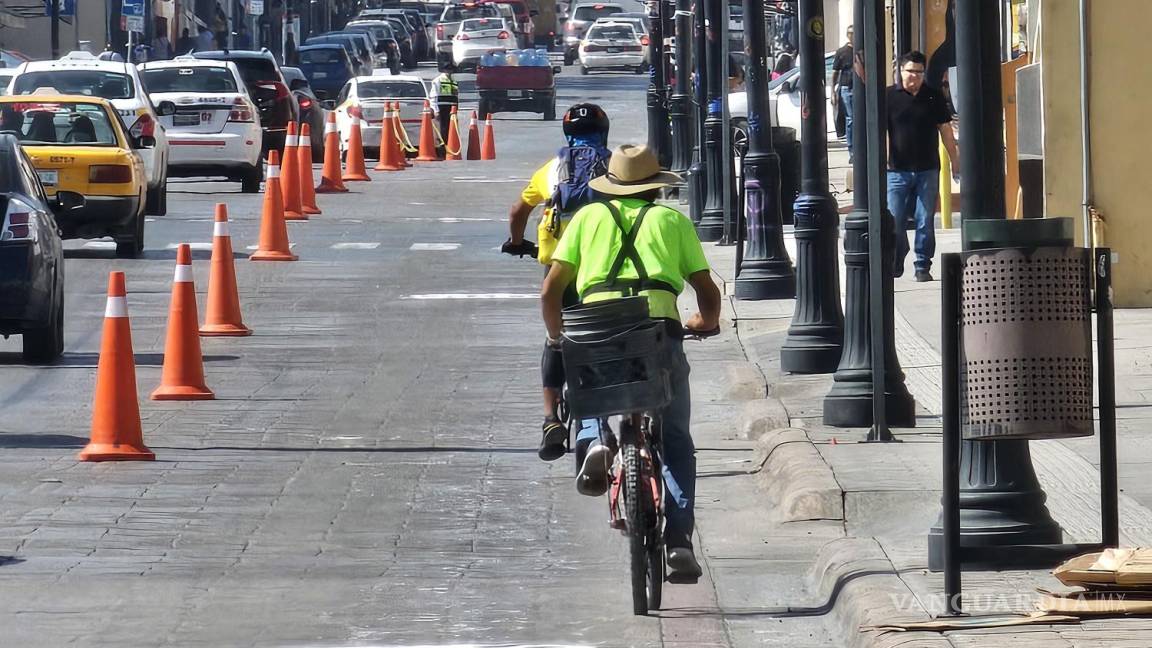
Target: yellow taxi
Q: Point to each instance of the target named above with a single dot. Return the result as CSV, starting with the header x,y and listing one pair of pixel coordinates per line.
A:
x,y
79,144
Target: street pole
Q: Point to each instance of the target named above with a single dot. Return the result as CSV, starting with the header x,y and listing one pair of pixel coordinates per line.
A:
x,y
849,402
657,85
54,12
696,171
711,225
903,27
816,335
679,108
765,271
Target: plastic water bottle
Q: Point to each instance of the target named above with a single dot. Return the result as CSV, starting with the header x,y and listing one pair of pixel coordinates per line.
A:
x,y
498,59
513,57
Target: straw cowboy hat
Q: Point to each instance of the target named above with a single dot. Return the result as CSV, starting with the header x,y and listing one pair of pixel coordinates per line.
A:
x,y
632,170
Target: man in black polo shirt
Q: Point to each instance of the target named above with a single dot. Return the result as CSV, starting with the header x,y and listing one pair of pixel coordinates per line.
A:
x,y
917,116
842,89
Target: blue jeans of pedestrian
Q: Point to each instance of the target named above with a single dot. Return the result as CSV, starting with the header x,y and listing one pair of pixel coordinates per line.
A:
x,y
912,194
846,107
679,453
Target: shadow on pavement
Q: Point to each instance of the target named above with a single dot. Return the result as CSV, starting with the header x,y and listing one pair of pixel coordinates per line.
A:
x,y
41,441
90,360
399,450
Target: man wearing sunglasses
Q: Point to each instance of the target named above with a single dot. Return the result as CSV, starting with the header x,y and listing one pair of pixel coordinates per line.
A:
x,y
918,116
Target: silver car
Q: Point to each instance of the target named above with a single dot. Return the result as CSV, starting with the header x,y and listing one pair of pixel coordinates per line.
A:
x,y
583,15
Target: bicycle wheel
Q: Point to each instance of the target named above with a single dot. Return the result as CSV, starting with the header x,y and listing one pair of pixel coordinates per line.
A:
x,y
638,533
655,576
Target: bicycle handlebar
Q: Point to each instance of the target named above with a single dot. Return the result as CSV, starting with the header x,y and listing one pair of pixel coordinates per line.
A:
x,y
525,247
691,334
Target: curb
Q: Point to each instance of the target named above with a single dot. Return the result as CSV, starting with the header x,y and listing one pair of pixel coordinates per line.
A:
x,y
799,484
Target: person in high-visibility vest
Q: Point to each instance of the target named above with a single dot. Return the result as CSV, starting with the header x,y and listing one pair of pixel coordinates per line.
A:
x,y
445,95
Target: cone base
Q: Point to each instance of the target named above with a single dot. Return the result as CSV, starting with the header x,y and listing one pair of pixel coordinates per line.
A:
x,y
324,189
424,158
299,216
390,167
115,452
312,211
272,255
224,330
452,158
356,178
182,393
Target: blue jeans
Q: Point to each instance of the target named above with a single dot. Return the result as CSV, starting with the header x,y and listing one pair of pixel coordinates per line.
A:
x,y
679,454
846,107
912,194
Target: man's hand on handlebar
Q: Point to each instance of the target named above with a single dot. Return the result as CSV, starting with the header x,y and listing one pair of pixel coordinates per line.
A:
x,y
524,247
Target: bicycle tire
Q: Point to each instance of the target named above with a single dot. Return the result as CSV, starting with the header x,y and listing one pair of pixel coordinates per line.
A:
x,y
656,570
637,529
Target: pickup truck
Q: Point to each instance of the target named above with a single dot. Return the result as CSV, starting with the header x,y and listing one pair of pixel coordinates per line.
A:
x,y
517,89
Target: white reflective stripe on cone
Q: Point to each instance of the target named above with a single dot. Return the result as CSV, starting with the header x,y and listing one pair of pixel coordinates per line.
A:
x,y
220,228
305,142
329,127
290,141
273,171
183,274
116,307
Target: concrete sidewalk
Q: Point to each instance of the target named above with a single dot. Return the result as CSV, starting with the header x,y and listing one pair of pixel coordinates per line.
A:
x,y
887,495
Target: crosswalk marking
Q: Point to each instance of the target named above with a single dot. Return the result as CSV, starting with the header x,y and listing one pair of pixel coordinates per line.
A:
x,y
355,246
195,246
99,245
434,247
256,247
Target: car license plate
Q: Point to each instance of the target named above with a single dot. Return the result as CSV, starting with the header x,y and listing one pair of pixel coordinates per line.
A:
x,y
517,93
49,177
185,120
613,50
319,75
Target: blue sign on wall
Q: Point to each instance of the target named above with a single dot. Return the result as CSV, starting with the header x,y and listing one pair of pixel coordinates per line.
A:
x,y
67,7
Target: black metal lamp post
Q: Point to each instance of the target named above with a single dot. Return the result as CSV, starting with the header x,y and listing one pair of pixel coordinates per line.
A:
x,y
680,105
696,171
849,403
711,225
816,335
657,85
765,271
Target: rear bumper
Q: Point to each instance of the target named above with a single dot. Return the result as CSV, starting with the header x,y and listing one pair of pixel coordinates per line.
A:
x,y
217,149
25,288
622,59
101,216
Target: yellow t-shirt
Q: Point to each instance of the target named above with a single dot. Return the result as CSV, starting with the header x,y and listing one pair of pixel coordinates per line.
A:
x,y
540,189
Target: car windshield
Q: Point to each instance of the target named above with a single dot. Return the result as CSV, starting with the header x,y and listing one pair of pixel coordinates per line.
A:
x,y
794,73
58,123
481,24
595,12
189,79
457,13
391,89
612,32
325,56
91,83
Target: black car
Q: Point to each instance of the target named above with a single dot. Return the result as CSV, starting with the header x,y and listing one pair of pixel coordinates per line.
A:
x,y
311,112
31,256
387,47
400,30
268,88
413,21
357,50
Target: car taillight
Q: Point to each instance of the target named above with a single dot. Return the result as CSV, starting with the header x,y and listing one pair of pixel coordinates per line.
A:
x,y
144,127
569,27
440,32
354,111
17,222
502,36
110,173
643,40
240,114
305,103
589,47
462,36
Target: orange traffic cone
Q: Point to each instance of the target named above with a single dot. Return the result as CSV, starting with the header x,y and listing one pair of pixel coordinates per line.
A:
x,y
427,139
473,138
290,176
488,148
222,315
116,432
452,139
183,375
273,245
354,161
401,134
389,147
330,180
304,163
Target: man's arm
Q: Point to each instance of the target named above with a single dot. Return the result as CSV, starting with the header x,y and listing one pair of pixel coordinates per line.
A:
x,y
707,301
552,296
835,86
950,145
518,221
434,96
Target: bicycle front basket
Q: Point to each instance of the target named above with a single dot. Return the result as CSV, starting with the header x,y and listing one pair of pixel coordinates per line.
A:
x,y
625,373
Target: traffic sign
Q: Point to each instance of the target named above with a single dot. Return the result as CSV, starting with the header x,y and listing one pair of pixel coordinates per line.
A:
x,y
255,7
133,14
67,7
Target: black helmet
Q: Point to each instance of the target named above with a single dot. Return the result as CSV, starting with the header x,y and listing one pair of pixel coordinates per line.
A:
x,y
585,119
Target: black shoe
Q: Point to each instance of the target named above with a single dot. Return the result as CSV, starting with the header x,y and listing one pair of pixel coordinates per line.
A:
x,y
682,565
923,275
553,440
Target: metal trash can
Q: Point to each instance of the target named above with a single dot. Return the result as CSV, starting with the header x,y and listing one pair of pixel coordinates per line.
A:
x,y
1026,343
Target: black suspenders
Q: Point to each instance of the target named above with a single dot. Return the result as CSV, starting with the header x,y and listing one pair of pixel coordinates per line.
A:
x,y
628,287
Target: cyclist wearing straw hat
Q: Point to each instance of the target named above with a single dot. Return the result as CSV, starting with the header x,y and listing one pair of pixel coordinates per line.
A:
x,y
663,254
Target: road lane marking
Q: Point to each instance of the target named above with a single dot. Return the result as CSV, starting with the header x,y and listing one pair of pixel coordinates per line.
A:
x,y
99,245
355,246
434,247
436,296
452,219
195,246
257,247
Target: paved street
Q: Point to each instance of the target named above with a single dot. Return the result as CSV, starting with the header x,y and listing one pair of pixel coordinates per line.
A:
x,y
367,474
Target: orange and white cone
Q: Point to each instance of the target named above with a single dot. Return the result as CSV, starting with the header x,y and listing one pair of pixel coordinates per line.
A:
x,y
116,432
389,148
488,147
452,139
304,163
401,134
222,315
354,170
290,176
273,245
330,178
427,139
183,375
473,138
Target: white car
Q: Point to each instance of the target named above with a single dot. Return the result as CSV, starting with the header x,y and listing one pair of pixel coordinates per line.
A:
x,y
477,37
81,73
216,127
611,45
365,98
783,101
5,79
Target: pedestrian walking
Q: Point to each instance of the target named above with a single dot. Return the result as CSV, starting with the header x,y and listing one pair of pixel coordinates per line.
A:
x,y
290,52
842,89
918,117
242,40
205,41
185,44
161,47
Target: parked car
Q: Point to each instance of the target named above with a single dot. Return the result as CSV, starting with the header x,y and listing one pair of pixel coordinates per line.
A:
x,y
403,33
425,14
78,144
266,85
478,36
80,73
6,75
583,16
357,53
311,112
387,48
449,24
520,20
421,44
365,98
327,68
611,46
783,100
214,131
639,22
32,285
376,59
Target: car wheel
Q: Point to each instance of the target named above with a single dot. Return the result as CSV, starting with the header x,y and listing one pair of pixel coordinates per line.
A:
x,y
156,201
133,247
484,108
569,58
250,179
639,69
44,345
550,111
740,137
583,70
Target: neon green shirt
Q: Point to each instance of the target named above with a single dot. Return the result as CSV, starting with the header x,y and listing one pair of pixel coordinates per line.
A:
x,y
667,244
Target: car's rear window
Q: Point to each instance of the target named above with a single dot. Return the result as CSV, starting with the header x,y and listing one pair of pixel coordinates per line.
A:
x,y
380,31
257,69
457,13
595,12
189,79
389,89
323,56
612,32
481,24
57,123
92,83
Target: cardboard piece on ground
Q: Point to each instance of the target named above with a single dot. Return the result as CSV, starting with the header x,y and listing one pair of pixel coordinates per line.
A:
x,y
1123,567
1094,603
977,622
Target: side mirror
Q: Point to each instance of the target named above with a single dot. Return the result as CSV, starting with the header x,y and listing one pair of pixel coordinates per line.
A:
x,y
69,200
298,84
145,142
165,108
328,104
